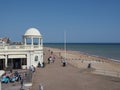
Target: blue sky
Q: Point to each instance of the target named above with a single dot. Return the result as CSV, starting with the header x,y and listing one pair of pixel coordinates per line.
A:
x,y
83,20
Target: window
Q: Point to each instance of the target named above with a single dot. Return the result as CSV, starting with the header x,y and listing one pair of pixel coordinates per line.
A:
x,y
36,58
24,61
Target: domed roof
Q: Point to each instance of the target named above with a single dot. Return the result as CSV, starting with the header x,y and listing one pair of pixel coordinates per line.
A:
x,y
32,32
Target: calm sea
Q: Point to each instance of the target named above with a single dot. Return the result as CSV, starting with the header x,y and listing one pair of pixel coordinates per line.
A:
x,y
109,50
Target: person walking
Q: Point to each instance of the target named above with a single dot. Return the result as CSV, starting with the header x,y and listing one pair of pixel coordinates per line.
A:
x,y
64,62
40,87
21,82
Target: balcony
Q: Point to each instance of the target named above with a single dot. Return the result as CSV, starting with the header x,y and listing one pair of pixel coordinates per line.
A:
x,y
20,47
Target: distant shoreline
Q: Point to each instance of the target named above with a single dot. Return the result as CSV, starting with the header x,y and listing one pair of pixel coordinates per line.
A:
x,y
83,43
104,50
101,57
104,66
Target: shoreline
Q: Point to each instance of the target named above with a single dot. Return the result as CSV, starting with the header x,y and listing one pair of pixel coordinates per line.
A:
x,y
103,50
104,66
56,77
87,54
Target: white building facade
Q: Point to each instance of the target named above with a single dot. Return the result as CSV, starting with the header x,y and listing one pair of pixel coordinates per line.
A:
x,y
23,55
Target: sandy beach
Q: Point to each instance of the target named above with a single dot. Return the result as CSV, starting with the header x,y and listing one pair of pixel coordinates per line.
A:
x,y
101,65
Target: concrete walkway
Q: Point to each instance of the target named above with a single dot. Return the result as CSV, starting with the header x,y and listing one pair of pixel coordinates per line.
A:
x,y
16,88
56,77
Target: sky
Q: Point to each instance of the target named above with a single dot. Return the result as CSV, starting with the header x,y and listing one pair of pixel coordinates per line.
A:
x,y
84,21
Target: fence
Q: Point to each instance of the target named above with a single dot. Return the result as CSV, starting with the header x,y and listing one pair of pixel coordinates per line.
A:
x,y
28,77
27,80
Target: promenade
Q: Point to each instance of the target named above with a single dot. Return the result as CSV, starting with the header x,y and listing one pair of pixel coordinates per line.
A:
x,y
56,77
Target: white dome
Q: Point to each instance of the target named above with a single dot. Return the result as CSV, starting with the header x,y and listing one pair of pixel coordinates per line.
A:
x,y
32,32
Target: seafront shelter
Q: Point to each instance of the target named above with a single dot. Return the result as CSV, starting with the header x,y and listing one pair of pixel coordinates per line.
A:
x,y
21,56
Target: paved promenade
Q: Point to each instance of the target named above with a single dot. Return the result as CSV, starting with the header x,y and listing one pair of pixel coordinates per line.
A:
x,y
56,77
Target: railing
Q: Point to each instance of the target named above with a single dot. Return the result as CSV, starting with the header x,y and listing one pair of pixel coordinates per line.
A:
x,y
27,80
28,76
11,47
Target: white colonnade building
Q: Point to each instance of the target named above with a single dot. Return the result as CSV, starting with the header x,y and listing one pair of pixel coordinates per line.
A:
x,y
21,56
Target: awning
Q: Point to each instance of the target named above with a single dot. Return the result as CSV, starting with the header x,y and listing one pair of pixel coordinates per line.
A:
x,y
16,56
2,57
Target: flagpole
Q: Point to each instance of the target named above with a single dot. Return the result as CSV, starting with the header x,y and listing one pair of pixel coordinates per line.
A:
x,y
65,43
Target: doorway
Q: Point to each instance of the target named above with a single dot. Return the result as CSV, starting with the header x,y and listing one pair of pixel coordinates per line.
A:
x,y
14,63
2,64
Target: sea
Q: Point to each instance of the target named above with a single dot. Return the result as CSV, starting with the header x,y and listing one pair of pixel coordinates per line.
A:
x,y
106,50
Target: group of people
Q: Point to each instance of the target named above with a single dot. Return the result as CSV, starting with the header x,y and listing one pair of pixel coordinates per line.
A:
x,y
11,76
41,65
51,59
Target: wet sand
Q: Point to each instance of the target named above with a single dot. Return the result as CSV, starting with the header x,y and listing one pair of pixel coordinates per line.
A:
x,y
74,76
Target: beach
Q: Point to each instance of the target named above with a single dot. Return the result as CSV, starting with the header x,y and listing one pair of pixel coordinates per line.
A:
x,y
104,66
76,75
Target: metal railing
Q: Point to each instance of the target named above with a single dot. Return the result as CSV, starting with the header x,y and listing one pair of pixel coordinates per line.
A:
x,y
28,76
26,79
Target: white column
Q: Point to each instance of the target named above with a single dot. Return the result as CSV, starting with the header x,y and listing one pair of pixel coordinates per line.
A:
x,y
25,41
1,73
31,58
6,60
32,41
41,42
28,60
